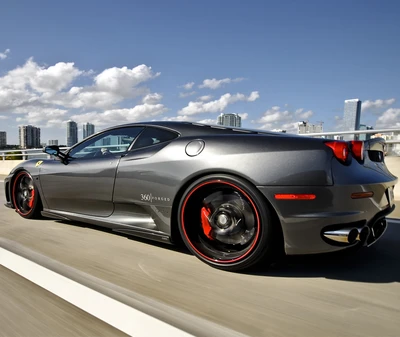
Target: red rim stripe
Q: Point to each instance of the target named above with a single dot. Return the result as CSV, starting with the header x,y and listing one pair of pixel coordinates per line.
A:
x,y
13,194
254,208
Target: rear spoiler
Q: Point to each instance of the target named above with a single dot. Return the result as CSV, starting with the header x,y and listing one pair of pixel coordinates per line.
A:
x,y
376,144
376,147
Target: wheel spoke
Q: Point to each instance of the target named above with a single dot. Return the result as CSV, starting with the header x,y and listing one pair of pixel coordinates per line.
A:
x,y
24,194
25,205
227,223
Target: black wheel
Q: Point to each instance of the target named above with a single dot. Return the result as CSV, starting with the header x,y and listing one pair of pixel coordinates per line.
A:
x,y
25,196
226,223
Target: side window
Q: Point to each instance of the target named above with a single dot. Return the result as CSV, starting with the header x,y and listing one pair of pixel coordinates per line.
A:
x,y
111,142
151,136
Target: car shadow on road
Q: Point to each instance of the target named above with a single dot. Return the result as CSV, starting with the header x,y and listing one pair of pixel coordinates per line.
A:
x,y
376,264
379,263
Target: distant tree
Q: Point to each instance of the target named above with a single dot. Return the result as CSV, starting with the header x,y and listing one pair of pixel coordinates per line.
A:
x,y
12,155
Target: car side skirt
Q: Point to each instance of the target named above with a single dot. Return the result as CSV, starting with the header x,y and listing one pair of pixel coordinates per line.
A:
x,y
110,223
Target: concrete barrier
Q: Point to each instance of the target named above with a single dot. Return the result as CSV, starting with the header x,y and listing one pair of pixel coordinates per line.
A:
x,y
7,165
393,163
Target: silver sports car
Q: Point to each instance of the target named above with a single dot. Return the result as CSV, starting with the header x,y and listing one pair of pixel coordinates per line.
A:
x,y
235,197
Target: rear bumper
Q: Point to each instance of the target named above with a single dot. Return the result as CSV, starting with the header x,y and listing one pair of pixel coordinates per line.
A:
x,y
304,222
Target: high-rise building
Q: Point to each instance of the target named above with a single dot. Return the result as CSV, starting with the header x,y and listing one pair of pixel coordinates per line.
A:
x,y
88,130
305,127
29,137
72,133
351,116
365,136
229,120
3,139
53,142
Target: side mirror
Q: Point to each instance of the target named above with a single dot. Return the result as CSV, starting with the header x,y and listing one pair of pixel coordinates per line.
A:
x,y
52,150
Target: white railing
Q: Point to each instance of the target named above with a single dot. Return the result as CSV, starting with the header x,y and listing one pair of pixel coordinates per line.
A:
x,y
38,153
25,154
393,148
355,132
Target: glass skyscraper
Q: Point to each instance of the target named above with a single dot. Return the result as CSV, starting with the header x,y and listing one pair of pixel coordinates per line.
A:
x,y
72,133
229,120
88,130
351,116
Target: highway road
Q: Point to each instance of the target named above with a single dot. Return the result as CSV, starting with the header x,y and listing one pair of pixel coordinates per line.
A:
x,y
304,296
28,310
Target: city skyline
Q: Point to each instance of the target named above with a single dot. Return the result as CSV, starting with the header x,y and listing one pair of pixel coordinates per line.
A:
x,y
300,64
351,121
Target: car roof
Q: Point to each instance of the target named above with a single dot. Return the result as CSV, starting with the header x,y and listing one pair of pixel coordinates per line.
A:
x,y
196,129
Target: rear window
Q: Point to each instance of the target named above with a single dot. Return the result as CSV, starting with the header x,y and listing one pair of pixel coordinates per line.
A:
x,y
152,136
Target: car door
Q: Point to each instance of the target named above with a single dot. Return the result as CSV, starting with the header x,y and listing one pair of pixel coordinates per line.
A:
x,y
84,183
139,186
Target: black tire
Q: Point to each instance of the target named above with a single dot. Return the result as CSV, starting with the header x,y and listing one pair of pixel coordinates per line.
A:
x,y
25,196
226,222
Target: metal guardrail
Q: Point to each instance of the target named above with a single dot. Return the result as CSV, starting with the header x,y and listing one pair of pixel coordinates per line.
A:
x,y
24,154
39,154
392,149
354,132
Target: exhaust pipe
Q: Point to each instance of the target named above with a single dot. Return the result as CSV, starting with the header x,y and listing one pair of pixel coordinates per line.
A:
x,y
363,234
344,235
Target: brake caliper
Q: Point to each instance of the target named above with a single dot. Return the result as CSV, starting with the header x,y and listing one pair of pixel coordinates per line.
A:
x,y
205,222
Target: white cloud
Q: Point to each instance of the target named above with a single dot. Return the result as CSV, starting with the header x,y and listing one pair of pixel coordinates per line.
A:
x,y
188,86
218,105
253,96
290,127
122,81
186,94
4,54
54,78
377,104
205,98
215,84
46,96
208,121
276,118
300,113
275,115
152,98
389,119
121,116
43,95
36,79
40,116
244,115
306,115
179,119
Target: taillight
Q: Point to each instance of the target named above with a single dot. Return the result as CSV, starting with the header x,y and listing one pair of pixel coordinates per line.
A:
x,y
357,148
340,149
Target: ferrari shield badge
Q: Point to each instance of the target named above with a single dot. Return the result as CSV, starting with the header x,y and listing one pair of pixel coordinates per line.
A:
x,y
39,163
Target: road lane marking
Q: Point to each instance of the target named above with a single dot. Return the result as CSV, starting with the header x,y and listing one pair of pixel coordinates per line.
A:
x,y
119,315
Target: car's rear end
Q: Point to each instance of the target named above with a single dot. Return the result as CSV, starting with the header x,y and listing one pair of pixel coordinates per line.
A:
x,y
349,211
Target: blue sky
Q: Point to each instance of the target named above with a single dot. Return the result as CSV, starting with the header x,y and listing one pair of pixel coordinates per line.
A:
x,y
273,62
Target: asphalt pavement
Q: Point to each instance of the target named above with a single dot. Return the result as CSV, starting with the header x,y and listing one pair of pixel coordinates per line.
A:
x,y
355,295
28,310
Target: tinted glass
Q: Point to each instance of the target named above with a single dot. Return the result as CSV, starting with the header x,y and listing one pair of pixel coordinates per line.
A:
x,y
112,142
151,136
